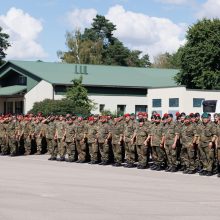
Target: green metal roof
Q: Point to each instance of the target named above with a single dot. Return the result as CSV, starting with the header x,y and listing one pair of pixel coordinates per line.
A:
x,y
100,75
11,90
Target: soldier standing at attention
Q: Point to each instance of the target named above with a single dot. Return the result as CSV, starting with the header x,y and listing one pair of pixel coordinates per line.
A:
x,y
80,129
5,148
157,142
37,135
1,133
206,144
104,137
142,141
12,131
59,135
49,125
117,130
189,137
217,145
171,135
69,139
92,130
129,141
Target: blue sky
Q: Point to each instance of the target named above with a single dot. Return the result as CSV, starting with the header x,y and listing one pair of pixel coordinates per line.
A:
x,y
37,28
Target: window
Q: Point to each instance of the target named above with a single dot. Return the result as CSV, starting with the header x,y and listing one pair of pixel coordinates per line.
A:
x,y
156,103
121,109
140,108
173,102
22,80
19,107
9,107
60,90
197,102
101,107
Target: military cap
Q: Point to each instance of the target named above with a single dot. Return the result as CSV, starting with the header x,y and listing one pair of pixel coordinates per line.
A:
x,y
192,115
127,115
187,117
205,115
197,114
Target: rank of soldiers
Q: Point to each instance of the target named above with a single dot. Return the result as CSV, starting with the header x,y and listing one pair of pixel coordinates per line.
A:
x,y
189,143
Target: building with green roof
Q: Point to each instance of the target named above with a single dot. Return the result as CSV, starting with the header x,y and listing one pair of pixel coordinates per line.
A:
x,y
113,88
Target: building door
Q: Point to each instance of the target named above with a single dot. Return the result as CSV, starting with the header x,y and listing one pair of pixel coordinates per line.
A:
x,y
19,107
9,107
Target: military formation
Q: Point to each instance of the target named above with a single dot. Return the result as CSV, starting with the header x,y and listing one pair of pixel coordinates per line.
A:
x,y
190,143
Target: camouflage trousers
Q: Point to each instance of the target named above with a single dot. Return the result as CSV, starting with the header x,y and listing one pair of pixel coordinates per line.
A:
x,y
104,149
61,147
13,146
171,155
4,146
143,155
189,156
38,141
70,150
94,151
160,155
27,145
81,148
118,151
207,155
52,147
130,152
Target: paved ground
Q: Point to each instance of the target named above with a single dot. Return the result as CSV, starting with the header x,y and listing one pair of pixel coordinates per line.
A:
x,y
33,188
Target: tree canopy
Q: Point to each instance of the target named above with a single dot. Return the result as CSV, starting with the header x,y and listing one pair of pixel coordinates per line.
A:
x,y
97,45
4,44
200,56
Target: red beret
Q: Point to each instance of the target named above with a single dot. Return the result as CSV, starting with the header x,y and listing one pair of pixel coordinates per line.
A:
x,y
127,115
177,113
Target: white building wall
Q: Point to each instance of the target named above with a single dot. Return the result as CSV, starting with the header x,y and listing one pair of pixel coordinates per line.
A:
x,y
185,99
43,90
111,102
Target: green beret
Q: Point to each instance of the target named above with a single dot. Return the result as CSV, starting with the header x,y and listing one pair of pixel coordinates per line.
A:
x,y
205,115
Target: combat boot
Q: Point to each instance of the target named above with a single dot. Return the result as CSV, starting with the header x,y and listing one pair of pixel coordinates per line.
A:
x,y
61,159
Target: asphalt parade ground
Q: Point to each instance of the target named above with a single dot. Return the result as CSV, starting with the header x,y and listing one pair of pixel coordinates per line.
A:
x,y
33,188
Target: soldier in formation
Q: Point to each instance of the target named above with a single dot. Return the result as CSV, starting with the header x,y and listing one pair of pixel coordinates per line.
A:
x,y
189,143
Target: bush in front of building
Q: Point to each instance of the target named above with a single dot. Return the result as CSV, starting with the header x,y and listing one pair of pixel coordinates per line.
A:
x,y
58,107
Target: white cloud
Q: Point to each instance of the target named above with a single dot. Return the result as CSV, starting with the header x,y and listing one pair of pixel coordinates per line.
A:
x,y
174,2
210,9
81,18
23,30
151,35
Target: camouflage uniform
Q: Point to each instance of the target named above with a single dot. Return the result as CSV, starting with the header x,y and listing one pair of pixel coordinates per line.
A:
x,y
70,142
2,133
117,131
91,132
103,141
12,137
156,134
37,136
187,135
5,147
170,133
142,131
130,147
26,135
206,132
60,139
81,145
50,130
